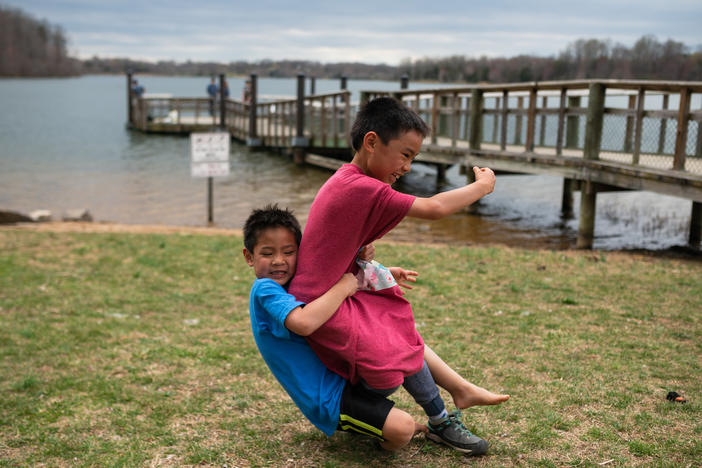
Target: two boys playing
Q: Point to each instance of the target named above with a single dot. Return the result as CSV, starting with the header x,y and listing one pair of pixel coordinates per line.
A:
x,y
360,345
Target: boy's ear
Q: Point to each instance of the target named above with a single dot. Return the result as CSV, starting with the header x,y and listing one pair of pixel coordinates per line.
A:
x,y
248,256
369,140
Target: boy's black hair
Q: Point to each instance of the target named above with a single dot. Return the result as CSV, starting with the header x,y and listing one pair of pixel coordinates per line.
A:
x,y
387,117
270,216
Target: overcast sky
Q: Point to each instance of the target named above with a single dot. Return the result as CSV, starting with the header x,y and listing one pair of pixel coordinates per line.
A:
x,y
356,30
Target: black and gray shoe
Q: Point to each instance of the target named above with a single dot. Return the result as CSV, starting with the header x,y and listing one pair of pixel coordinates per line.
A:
x,y
453,433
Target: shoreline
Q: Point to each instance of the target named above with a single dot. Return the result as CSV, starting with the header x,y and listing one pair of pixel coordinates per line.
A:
x,y
675,252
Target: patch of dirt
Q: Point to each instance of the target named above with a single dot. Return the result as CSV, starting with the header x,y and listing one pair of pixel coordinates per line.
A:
x,y
59,226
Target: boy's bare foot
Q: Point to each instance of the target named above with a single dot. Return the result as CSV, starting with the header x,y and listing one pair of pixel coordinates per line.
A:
x,y
472,395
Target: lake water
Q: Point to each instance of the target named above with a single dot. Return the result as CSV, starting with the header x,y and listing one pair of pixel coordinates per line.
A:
x,y
64,145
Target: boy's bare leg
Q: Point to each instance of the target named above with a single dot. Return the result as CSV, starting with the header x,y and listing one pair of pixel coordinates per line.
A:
x,y
398,430
464,393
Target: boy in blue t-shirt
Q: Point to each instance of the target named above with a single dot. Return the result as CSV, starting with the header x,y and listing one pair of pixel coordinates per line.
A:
x,y
279,322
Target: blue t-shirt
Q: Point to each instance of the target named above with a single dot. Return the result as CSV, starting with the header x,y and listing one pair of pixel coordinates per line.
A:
x,y
315,389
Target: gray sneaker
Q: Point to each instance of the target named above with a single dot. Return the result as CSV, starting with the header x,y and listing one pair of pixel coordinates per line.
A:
x,y
453,433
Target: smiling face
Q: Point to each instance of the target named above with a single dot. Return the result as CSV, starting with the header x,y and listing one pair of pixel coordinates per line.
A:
x,y
274,256
388,162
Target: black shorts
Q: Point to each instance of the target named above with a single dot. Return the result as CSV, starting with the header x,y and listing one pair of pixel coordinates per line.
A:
x,y
363,411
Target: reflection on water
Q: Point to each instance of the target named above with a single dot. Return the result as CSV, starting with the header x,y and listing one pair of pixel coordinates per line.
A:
x,y
63,145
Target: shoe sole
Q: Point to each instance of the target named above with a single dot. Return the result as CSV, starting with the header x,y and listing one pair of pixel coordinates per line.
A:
x,y
439,440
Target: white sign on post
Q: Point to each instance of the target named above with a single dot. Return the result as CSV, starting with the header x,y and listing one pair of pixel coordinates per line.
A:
x,y
209,154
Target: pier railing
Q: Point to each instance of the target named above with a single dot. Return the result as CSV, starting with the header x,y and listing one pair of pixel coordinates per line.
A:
x,y
639,123
325,122
169,114
326,118
596,134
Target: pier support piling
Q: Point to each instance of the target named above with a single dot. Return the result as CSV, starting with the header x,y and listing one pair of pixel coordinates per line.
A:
x,y
440,174
591,151
567,198
586,226
299,143
695,225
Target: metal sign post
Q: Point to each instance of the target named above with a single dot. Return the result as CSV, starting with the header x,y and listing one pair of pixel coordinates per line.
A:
x,y
209,158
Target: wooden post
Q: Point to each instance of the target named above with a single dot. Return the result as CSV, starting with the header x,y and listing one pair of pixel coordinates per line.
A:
x,y
681,131
443,117
323,122
494,120
130,105
561,122
695,224
542,129
476,119
404,82
313,86
252,138
347,118
222,103
435,117
335,122
639,126
531,120
594,120
629,124
455,117
342,84
664,126
572,124
518,123
503,129
591,151
300,142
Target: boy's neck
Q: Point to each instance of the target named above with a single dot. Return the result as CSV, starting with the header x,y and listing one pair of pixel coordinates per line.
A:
x,y
360,160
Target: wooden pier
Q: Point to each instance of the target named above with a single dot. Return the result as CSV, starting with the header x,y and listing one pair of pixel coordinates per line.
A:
x,y
598,135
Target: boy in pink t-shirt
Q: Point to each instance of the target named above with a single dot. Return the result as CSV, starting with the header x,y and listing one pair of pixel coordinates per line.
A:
x,y
372,338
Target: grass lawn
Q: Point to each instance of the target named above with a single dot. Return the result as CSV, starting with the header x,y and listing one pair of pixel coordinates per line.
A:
x,y
121,349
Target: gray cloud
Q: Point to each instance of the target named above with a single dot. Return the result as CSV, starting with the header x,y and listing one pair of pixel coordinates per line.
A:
x,y
373,32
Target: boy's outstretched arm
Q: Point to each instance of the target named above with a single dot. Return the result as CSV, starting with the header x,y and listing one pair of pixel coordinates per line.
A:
x,y
306,320
446,203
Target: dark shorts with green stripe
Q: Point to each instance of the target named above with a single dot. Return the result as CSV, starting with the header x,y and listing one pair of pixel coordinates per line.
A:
x,y
363,411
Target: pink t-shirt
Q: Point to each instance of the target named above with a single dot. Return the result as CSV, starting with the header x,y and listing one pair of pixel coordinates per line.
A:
x,y
372,335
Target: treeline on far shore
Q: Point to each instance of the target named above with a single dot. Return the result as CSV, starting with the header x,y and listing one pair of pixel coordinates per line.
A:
x,y
29,48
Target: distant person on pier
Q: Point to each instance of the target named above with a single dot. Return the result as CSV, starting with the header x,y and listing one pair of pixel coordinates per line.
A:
x,y
137,89
212,92
246,93
372,339
225,89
